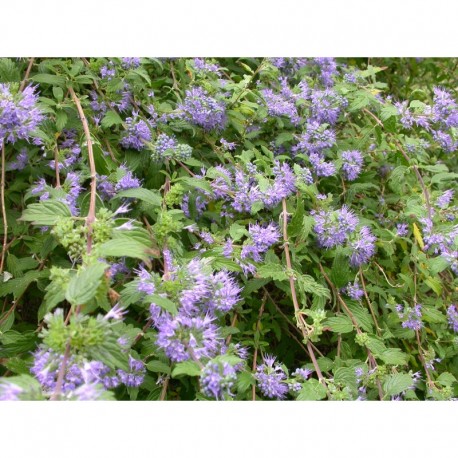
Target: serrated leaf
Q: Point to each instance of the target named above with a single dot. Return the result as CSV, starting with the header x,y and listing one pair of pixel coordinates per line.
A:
x,y
340,324
394,356
164,303
83,286
244,381
396,383
190,368
45,213
146,195
312,390
158,366
111,118
124,248
274,271
309,285
55,80
417,235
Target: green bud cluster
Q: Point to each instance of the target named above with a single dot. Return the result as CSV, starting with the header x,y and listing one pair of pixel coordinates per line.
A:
x,y
175,195
71,236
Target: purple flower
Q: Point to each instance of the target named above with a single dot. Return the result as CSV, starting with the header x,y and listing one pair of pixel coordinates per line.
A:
x,y
444,199
9,391
217,379
363,247
282,104
262,238
227,146
452,315
202,110
354,291
73,188
316,138
128,181
410,316
228,248
22,160
445,109
137,133
402,229
334,227
326,106
136,375
270,377
105,187
146,281
203,65
225,293
320,166
283,186
130,62
352,163
302,373
19,115
184,338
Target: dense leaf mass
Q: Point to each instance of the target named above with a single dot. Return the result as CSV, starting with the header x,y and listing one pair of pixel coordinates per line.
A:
x,y
196,229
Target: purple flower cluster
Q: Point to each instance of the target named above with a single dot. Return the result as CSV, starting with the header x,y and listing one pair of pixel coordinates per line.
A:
x,y
354,291
334,227
70,149
192,333
316,138
127,181
202,110
443,201
363,247
10,391
203,65
271,378
410,316
281,104
166,147
130,62
135,376
137,133
261,239
217,379
402,229
19,114
21,161
452,315
352,164
73,188
326,106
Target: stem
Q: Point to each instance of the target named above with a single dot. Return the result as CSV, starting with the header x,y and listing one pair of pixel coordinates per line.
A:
x,y
60,376
369,302
91,214
56,166
293,291
27,73
255,355
164,388
5,222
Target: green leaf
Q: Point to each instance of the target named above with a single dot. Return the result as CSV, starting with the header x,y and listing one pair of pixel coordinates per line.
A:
x,y
17,286
124,248
83,286
190,368
394,356
361,315
340,272
274,271
158,366
55,80
244,381
340,324
151,197
397,383
111,119
446,379
164,303
45,213
309,285
312,390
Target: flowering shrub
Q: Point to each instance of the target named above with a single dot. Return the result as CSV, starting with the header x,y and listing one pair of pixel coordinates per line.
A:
x,y
228,229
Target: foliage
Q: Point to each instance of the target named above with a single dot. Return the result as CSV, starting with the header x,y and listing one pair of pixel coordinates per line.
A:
x,y
277,228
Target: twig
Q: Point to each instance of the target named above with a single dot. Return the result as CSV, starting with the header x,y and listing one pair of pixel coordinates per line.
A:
x,y
164,388
91,214
27,73
60,376
56,166
5,222
293,292
369,302
255,355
